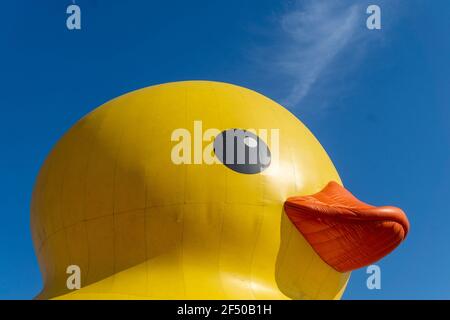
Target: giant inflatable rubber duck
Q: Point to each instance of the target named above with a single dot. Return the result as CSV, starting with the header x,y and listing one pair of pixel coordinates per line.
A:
x,y
148,196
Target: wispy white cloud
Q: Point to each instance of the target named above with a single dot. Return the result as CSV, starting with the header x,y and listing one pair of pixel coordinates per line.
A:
x,y
315,32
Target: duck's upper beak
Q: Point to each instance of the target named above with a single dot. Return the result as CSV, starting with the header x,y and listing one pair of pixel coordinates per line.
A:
x,y
345,232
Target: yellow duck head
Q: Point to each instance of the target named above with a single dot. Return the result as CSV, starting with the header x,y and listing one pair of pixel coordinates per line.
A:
x,y
141,197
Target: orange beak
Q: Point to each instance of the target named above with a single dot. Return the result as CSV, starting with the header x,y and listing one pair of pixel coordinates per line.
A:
x,y
346,233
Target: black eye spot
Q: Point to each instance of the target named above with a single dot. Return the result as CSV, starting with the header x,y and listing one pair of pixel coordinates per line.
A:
x,y
242,151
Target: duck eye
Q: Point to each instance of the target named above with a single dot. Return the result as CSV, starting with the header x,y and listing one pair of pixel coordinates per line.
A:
x,y
242,151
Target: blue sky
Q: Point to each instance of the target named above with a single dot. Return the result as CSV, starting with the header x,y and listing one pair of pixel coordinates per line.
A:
x,y
378,101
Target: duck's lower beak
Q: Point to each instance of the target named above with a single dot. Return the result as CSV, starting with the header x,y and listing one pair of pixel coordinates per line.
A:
x,y
345,232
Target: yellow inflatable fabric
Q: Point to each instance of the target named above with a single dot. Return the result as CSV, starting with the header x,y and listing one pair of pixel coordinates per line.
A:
x,y
110,200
